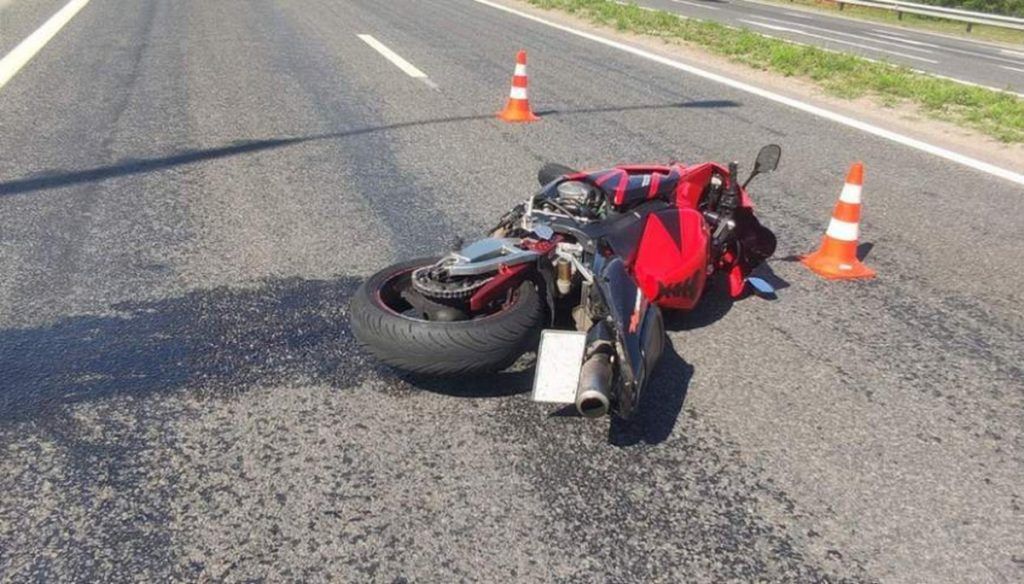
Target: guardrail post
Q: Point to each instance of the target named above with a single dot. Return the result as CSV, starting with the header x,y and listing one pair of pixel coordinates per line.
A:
x,y
899,15
841,6
970,25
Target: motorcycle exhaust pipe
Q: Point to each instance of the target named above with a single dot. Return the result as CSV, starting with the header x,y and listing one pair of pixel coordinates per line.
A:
x,y
593,394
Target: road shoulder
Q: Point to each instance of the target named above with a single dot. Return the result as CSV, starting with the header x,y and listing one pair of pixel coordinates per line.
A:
x,y
904,119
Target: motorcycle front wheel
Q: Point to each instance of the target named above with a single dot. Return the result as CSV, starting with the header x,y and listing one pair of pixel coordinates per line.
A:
x,y
390,329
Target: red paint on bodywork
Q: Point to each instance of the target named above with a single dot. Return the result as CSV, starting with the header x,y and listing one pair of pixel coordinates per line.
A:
x,y
509,277
693,182
506,279
671,261
672,258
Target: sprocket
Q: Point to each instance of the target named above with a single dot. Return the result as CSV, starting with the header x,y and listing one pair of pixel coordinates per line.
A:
x,y
425,282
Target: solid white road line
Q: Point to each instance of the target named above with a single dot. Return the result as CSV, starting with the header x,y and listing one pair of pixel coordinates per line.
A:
x,y
834,40
980,55
860,21
861,38
772,96
865,57
905,41
696,4
623,3
1017,69
26,49
952,49
972,84
398,61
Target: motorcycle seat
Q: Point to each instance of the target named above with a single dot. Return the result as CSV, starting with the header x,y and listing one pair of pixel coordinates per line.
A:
x,y
628,186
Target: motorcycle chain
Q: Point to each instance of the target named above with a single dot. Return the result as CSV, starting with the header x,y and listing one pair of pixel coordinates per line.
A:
x,y
426,285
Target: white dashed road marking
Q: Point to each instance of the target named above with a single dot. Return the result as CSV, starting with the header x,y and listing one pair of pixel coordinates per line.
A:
x,y
407,67
697,4
23,53
835,40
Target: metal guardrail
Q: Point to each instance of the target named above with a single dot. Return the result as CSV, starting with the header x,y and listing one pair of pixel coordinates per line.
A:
x,y
965,16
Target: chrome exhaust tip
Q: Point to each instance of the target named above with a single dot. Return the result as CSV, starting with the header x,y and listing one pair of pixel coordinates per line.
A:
x,y
592,404
593,395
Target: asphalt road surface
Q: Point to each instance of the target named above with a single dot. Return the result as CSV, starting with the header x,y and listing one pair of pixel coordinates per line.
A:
x,y
992,65
190,191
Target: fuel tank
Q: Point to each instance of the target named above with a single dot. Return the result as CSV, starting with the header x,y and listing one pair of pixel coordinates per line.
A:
x,y
671,261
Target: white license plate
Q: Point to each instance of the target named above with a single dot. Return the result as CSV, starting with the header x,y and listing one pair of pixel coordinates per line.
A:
x,y
559,361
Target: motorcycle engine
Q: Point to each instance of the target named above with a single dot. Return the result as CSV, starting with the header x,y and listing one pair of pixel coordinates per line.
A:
x,y
574,190
581,198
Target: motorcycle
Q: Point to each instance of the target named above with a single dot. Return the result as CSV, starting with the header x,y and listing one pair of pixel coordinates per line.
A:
x,y
585,267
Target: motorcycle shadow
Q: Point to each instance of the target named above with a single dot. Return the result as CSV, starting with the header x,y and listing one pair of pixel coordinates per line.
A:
x,y
713,306
516,380
659,407
717,302
663,400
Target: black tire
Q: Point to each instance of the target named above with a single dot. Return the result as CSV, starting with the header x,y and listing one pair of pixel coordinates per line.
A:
x,y
482,345
550,171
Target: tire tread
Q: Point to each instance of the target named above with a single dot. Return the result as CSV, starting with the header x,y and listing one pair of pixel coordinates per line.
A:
x,y
456,348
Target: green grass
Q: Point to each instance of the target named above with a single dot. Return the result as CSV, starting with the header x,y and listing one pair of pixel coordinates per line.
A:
x,y
1007,7
994,113
912,21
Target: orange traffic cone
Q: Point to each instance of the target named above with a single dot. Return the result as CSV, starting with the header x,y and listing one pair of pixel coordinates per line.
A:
x,y
518,107
836,259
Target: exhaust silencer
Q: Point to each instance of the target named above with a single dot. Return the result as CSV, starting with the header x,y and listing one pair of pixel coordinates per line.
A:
x,y
593,395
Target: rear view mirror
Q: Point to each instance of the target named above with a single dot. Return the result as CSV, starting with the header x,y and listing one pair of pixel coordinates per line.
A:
x,y
767,161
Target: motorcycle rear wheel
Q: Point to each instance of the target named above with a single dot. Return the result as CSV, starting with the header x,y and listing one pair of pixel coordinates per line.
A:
x,y
387,327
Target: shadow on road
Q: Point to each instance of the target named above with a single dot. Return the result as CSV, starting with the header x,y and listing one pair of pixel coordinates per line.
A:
x,y
864,249
660,404
503,384
221,340
663,401
62,178
226,339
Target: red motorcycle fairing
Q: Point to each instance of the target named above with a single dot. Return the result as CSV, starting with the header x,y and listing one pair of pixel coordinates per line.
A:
x,y
672,258
693,183
671,261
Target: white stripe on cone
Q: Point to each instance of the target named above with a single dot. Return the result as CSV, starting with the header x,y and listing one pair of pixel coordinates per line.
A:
x,y
518,93
520,70
851,194
842,230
